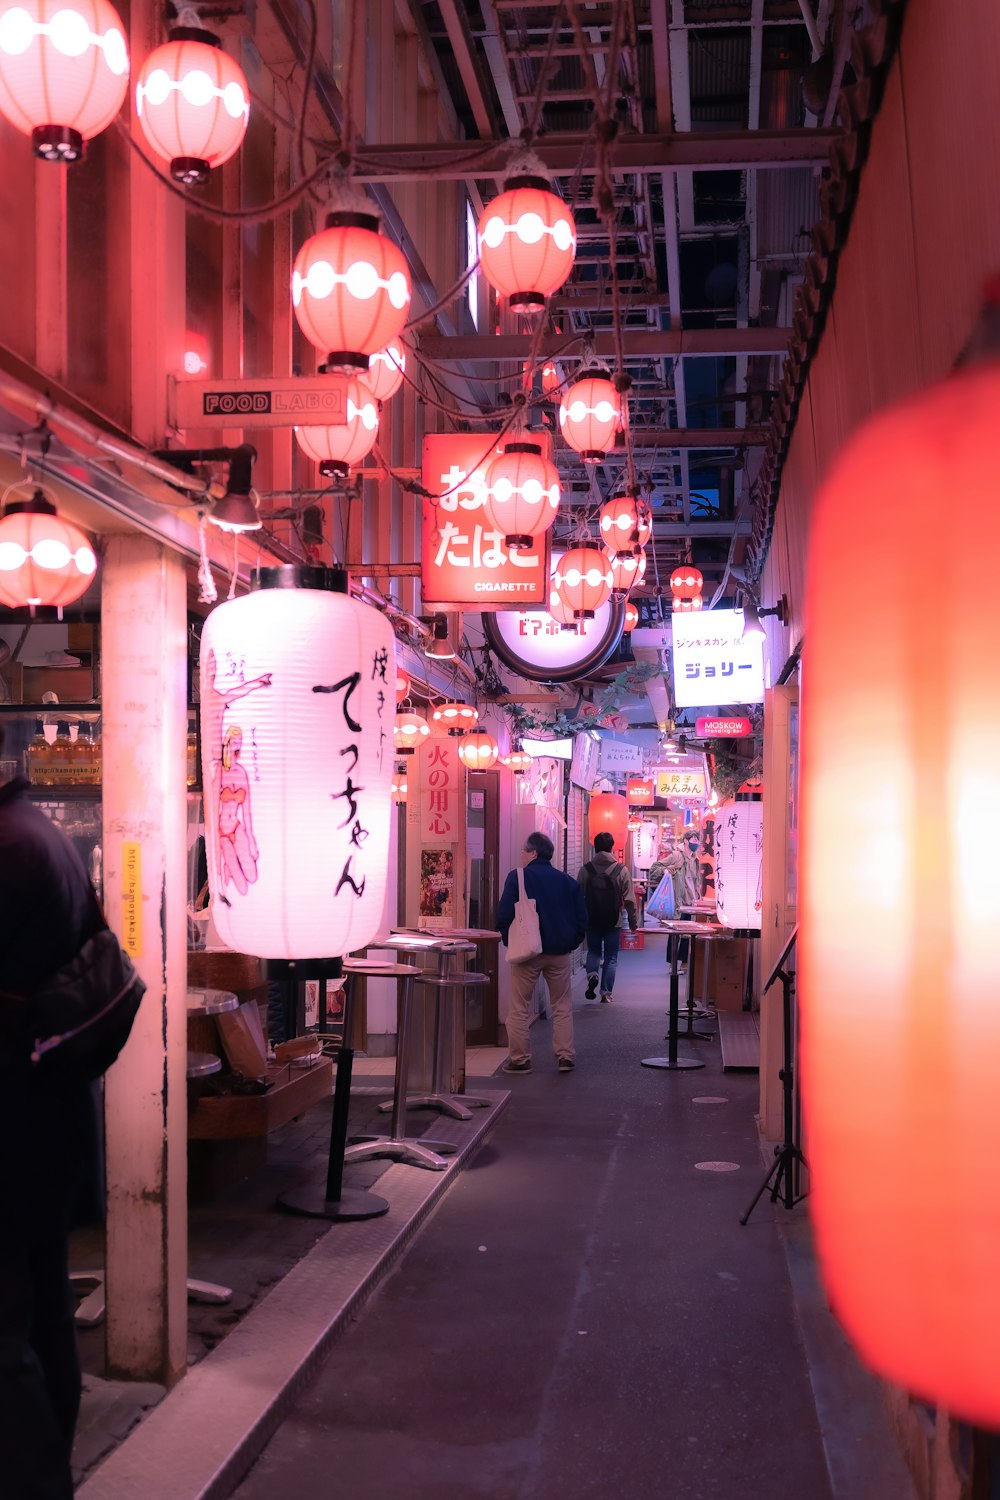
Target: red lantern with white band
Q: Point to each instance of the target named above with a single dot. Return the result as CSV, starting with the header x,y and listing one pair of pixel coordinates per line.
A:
x,y
631,617
297,765
63,71
527,243
581,581
409,729
522,493
686,584
626,523
338,449
350,290
627,569
455,718
192,103
385,371
478,751
44,560
590,414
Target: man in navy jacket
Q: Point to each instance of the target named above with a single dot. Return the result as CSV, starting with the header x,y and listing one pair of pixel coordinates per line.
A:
x,y
562,921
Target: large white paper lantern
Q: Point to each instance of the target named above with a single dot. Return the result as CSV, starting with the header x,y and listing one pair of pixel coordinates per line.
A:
x,y
739,864
645,840
297,709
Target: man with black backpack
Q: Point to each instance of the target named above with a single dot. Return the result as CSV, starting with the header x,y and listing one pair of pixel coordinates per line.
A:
x,y
607,887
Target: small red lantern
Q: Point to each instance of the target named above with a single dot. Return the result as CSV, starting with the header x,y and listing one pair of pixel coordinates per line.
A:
x,y
627,569
590,414
386,368
456,718
626,523
409,729
402,685
478,751
683,606
517,761
522,493
399,787
350,290
44,560
63,72
631,617
581,581
608,813
686,582
337,449
550,379
192,103
527,242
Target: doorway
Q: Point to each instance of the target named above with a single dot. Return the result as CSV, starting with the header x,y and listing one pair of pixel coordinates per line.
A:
x,y
482,851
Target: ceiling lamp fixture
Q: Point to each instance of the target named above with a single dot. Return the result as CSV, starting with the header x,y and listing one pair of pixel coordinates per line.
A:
x,y
457,718
581,582
631,617
627,569
590,415
626,523
339,449
350,290
386,368
439,647
527,243
478,751
44,559
193,103
63,72
686,584
522,493
409,729
237,510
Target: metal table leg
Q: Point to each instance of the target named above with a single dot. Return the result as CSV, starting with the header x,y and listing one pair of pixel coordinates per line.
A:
x,y
672,1062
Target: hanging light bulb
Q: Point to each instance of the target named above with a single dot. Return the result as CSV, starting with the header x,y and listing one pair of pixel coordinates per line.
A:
x,y
192,102
522,493
590,414
338,449
409,729
631,617
527,243
350,290
63,72
44,559
581,581
478,751
385,371
626,523
627,569
456,718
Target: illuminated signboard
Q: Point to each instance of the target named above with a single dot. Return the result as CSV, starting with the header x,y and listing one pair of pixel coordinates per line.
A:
x,y
681,783
535,646
722,729
464,563
639,791
712,663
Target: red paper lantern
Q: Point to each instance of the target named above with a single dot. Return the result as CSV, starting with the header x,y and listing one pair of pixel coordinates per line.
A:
x,y
608,813
550,379
63,72
686,582
408,730
905,815
402,685
631,617
517,761
385,371
626,523
350,290
478,751
456,718
590,414
581,581
522,493
336,449
527,242
687,605
627,569
44,560
192,102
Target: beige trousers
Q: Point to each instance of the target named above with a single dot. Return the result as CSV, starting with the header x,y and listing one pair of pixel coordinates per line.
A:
x,y
556,969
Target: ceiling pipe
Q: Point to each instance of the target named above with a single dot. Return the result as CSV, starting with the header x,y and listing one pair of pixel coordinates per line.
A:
x,y
810,25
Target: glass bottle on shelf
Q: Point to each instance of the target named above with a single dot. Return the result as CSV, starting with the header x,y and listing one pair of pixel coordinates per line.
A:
x,y
61,763
95,754
81,756
38,757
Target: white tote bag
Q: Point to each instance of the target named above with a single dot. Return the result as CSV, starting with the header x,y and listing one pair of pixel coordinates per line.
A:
x,y
524,940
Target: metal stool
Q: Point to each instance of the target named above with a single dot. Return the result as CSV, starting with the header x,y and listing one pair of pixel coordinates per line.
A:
x,y
413,1151
445,988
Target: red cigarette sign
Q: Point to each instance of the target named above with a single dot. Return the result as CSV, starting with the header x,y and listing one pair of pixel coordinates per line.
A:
x,y
723,729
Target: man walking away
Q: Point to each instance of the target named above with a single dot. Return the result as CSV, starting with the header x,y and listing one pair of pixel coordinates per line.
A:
x,y
562,922
607,887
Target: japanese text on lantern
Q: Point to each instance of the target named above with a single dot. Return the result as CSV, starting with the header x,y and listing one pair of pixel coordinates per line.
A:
x,y
350,793
439,793
464,560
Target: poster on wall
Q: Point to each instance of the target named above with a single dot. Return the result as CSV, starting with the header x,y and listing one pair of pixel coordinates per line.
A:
x,y
440,792
712,663
437,886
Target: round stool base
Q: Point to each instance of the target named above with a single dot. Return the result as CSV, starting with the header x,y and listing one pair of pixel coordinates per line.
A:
x,y
310,1203
672,1067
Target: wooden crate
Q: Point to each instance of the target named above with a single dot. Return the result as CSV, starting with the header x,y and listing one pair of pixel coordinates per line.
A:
x,y
234,1116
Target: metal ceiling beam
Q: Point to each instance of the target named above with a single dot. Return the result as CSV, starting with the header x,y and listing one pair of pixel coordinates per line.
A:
x,y
566,154
464,52
638,343
699,437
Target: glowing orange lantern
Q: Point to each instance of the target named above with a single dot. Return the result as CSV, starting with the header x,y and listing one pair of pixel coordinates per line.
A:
x,y
626,523
336,449
456,718
350,290
550,379
590,414
402,685
686,582
527,243
908,1254
687,605
192,102
399,787
627,569
517,761
522,493
478,751
581,581
631,617
63,71
608,813
409,729
44,560
385,371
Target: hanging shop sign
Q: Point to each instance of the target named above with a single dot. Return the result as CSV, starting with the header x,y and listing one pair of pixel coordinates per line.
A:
x,y
440,787
640,791
686,784
722,729
712,663
274,402
465,562
619,755
536,646
583,767
739,864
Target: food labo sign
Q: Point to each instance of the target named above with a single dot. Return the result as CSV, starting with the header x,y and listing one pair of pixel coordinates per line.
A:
x,y
463,560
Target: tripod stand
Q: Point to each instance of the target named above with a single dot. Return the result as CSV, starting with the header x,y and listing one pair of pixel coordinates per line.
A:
x,y
783,1178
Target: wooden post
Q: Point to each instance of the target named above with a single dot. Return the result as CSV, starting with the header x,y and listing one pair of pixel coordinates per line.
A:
x,y
144,716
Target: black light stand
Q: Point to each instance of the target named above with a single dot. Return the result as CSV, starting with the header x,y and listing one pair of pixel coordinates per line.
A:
x,y
788,1156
